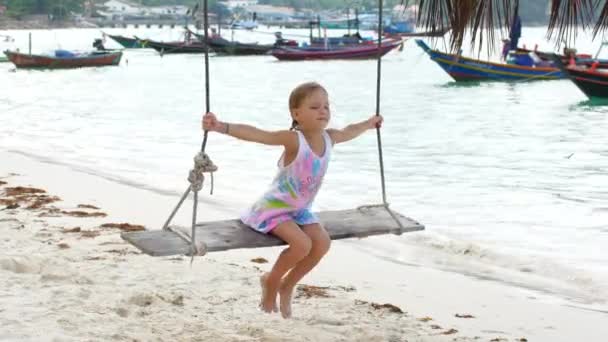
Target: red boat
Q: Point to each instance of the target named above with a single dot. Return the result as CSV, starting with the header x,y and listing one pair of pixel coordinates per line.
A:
x,y
366,51
64,60
593,80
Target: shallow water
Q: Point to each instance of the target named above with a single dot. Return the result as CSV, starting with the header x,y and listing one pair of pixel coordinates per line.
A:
x,y
510,179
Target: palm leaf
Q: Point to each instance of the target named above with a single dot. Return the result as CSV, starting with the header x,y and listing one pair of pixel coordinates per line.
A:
x,y
567,17
602,22
479,18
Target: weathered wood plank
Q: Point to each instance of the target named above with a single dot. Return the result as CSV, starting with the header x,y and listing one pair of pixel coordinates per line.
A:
x,y
232,234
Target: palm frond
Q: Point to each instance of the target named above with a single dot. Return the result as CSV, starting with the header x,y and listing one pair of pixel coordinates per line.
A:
x,y
602,23
567,17
478,18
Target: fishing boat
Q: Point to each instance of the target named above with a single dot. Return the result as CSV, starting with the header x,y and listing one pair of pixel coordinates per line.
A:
x,y
398,27
347,52
63,59
592,81
468,69
191,46
578,58
432,33
221,45
126,42
224,46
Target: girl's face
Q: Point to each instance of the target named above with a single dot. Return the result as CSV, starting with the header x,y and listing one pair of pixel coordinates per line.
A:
x,y
313,113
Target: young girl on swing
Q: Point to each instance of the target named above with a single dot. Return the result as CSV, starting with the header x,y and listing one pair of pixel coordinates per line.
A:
x,y
285,209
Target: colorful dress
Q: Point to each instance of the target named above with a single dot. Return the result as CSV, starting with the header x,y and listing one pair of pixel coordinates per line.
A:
x,y
293,190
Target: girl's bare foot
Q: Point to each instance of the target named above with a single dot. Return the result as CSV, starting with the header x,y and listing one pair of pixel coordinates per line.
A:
x,y
285,294
268,302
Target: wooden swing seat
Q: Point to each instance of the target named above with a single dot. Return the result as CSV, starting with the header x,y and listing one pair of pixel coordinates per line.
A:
x,y
232,234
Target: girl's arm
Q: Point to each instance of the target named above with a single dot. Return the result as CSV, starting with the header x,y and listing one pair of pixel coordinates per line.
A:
x,y
248,133
352,131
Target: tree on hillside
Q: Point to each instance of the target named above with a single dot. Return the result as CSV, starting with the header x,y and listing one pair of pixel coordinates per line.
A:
x,y
58,8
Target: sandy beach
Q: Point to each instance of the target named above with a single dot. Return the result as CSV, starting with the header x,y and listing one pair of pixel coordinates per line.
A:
x,y
68,276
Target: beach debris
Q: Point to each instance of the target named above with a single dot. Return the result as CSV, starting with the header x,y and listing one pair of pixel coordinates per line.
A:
x,y
178,300
72,230
122,252
78,213
35,198
89,234
347,288
435,326
376,306
122,312
498,339
7,201
309,291
449,332
259,260
464,316
141,300
390,307
523,339
3,183
56,212
63,245
21,190
87,206
42,200
124,226
13,205
425,319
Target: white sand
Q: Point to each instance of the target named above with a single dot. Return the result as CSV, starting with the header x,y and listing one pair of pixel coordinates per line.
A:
x,y
100,288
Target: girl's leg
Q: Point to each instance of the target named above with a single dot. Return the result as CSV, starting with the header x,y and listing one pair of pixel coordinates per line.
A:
x,y
320,245
299,247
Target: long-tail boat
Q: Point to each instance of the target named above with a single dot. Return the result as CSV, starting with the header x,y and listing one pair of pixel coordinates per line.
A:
x,y
192,46
468,69
591,80
64,59
347,52
126,42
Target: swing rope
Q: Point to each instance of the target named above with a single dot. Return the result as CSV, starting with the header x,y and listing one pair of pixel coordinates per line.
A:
x,y
202,162
378,135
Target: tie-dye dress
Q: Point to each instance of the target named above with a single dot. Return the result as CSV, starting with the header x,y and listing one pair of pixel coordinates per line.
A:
x,y
292,191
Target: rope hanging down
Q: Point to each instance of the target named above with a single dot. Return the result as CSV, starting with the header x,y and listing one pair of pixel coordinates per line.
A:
x,y
378,136
202,162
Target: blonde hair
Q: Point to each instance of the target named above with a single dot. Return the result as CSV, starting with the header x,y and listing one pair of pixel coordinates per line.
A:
x,y
298,95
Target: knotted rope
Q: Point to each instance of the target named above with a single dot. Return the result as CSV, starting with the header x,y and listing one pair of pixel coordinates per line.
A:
x,y
202,164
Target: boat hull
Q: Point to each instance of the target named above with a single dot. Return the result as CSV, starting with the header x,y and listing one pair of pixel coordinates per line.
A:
x,y
356,52
26,61
591,82
176,47
463,69
226,47
128,43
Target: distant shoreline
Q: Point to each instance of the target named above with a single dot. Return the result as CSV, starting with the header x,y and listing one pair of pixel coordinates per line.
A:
x,y
40,23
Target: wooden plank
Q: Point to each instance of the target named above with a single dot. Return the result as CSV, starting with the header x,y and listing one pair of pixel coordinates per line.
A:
x,y
232,234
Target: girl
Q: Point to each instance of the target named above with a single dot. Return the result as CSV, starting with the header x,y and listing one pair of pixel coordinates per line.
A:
x,y
285,209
